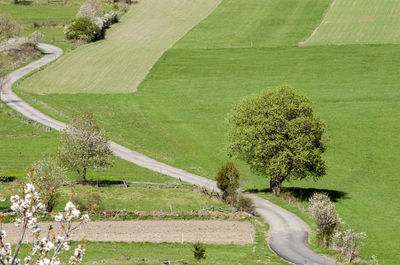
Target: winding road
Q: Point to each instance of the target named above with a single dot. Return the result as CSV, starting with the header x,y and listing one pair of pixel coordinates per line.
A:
x,y
288,233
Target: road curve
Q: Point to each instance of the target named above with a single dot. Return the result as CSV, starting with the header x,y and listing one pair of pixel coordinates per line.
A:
x,y
288,233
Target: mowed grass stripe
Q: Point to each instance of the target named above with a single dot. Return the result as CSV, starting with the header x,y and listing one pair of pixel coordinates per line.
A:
x,y
121,62
359,22
256,23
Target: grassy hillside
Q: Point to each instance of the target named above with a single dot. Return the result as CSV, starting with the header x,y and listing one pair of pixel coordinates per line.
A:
x,y
359,22
256,23
122,61
177,114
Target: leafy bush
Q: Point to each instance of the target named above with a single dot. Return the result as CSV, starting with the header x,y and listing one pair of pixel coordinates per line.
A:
x,y
228,182
199,251
50,177
245,204
92,201
82,29
323,211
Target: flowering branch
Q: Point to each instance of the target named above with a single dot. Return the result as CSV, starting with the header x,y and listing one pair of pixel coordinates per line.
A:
x,y
27,205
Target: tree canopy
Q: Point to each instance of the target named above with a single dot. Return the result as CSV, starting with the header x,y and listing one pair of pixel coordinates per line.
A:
x,y
84,145
277,135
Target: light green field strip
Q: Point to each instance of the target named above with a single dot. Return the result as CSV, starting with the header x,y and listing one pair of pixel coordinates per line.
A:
x,y
359,22
119,63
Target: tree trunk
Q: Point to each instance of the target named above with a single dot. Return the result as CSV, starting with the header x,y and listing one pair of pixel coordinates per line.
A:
x,y
275,186
84,176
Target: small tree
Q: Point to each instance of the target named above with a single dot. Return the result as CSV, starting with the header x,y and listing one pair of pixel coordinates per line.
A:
x,y
348,242
49,176
9,28
277,134
228,182
323,211
199,251
84,145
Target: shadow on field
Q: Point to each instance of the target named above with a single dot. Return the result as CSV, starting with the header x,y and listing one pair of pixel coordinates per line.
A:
x,y
6,179
304,194
105,183
24,3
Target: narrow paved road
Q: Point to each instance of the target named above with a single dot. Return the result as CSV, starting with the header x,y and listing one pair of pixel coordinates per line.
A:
x,y
288,233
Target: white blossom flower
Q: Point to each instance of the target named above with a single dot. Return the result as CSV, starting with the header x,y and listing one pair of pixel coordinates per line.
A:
x,y
28,260
85,218
67,246
59,217
3,234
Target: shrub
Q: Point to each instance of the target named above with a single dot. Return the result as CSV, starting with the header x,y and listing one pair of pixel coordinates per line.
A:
x,y
245,204
228,182
199,251
323,211
9,28
348,242
50,178
91,10
36,36
82,29
91,202
109,19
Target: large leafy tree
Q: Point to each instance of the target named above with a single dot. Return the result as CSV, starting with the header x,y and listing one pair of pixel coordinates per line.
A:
x,y
277,134
84,145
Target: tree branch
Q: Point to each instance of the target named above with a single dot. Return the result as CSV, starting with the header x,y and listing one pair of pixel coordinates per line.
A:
x,y
21,237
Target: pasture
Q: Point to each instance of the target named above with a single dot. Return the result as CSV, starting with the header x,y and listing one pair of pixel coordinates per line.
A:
x,y
177,114
359,22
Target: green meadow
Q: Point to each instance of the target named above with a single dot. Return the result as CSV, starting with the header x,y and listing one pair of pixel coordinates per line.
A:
x,y
177,115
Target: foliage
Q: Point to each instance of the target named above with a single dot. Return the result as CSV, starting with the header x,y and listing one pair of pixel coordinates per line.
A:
x,y
323,211
87,201
28,206
9,28
228,181
276,133
348,242
82,29
245,204
91,9
84,145
199,251
49,177
36,36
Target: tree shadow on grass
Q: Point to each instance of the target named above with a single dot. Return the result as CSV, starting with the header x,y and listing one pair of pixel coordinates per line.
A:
x,y
304,194
105,183
24,3
7,179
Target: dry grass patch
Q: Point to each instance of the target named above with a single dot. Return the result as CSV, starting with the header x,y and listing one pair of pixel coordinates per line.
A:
x,y
121,62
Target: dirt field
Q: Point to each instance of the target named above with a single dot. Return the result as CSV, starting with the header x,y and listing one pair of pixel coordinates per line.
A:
x,y
207,231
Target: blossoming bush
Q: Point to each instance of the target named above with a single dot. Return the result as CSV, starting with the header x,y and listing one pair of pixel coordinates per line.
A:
x,y
46,250
50,177
323,211
348,242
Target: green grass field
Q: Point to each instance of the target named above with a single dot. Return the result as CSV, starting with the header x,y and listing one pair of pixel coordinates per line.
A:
x,y
177,114
359,22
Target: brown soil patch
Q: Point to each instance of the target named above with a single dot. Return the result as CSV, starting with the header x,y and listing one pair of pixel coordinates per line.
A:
x,y
207,231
